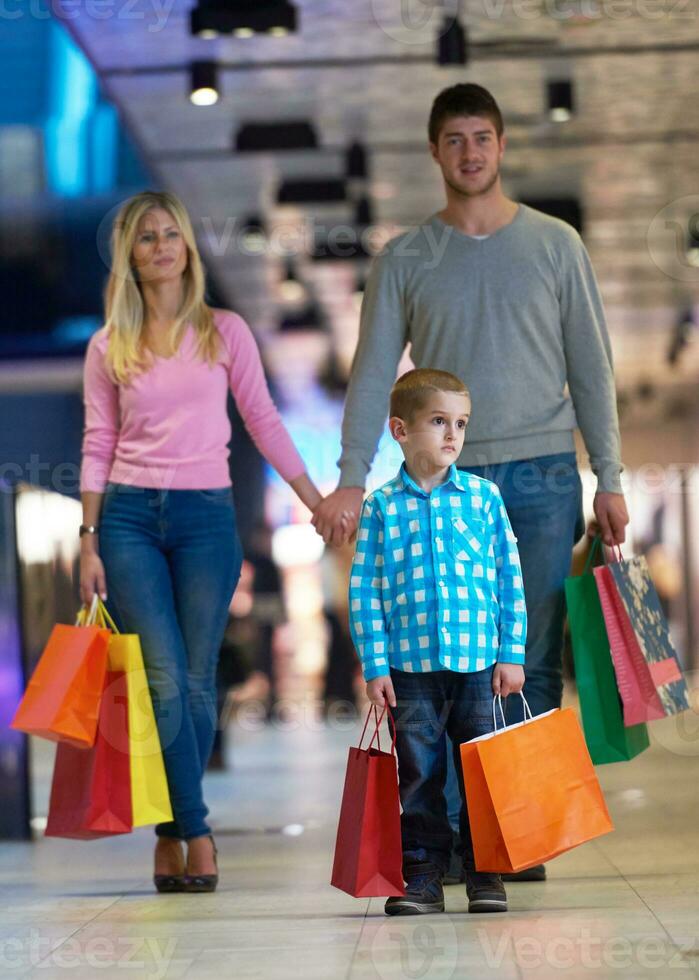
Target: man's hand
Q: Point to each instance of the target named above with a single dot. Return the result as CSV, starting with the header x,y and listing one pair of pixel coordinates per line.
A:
x,y
337,515
611,518
508,679
380,687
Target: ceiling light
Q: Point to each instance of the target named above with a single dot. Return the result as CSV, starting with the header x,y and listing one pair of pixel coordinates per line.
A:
x,y
363,214
560,102
312,190
356,164
243,18
254,137
452,43
254,234
358,294
204,84
693,241
291,290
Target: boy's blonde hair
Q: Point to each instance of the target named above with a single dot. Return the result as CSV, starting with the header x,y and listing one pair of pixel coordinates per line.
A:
x,y
412,390
125,310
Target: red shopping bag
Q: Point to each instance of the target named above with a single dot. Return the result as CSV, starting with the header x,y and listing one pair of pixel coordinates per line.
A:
x,y
531,792
648,674
62,699
368,852
91,788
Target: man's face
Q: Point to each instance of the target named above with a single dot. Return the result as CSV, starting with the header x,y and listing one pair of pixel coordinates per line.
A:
x,y
434,437
469,152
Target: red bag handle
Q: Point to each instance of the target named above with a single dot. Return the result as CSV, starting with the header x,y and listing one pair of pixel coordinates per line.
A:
x,y
377,723
617,548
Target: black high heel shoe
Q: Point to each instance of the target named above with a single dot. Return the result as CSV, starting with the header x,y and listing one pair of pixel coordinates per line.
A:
x,y
203,883
169,883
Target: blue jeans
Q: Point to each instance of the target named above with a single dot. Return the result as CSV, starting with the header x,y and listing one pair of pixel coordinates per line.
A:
x,y
430,706
543,498
172,561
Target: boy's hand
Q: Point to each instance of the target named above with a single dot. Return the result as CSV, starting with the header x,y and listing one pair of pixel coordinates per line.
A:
x,y
508,679
377,688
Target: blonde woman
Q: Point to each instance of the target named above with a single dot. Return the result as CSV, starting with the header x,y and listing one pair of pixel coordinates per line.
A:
x,y
159,526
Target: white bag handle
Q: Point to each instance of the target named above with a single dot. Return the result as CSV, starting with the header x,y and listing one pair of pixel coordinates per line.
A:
x,y
88,617
527,711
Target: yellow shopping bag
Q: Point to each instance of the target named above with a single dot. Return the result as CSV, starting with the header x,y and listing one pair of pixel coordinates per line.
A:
x,y
150,798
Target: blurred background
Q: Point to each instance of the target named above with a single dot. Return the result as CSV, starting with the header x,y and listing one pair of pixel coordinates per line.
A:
x,y
295,134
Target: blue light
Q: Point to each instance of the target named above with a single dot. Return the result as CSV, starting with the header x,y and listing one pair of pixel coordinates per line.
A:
x,y
73,96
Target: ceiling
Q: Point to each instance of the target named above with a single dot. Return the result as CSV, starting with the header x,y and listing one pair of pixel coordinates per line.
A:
x,y
629,153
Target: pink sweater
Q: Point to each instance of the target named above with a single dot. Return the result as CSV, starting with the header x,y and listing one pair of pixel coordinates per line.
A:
x,y
168,428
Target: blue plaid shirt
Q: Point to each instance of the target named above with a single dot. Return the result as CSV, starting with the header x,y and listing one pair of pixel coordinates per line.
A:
x,y
436,582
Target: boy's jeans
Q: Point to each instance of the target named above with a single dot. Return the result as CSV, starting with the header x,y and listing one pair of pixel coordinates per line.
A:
x,y
543,498
172,560
430,706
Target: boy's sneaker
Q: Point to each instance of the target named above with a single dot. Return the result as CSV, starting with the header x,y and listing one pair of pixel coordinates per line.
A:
x,y
486,892
423,892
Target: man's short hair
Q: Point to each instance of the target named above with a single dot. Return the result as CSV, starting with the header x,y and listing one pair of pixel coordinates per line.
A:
x,y
464,99
412,390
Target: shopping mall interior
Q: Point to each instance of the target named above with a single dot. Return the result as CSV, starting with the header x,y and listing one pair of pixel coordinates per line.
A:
x,y
295,134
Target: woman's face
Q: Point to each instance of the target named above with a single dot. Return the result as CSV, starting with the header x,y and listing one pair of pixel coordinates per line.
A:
x,y
159,250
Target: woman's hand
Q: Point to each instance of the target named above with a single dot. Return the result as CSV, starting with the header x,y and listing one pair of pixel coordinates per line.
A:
x,y
92,577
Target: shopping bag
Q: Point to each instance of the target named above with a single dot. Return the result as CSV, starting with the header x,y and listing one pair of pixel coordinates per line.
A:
x,y
647,670
91,788
62,699
150,797
607,738
368,852
531,791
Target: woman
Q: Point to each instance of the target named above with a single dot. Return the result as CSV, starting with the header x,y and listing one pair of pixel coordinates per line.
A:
x,y
159,524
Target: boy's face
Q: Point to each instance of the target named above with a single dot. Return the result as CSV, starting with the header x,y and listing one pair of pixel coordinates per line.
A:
x,y
434,437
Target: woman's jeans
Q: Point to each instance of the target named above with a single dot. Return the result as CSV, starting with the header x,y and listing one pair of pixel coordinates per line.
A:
x,y
172,561
430,706
543,499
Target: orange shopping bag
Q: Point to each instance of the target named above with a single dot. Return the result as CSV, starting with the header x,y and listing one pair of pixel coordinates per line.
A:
x,y
62,699
531,791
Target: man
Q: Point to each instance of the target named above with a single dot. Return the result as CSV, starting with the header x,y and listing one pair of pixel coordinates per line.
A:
x,y
505,297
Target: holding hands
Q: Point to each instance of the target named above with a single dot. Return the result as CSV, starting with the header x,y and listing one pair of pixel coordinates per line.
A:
x,y
336,517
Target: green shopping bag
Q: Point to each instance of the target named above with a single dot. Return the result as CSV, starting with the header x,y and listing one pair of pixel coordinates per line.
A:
x,y
600,705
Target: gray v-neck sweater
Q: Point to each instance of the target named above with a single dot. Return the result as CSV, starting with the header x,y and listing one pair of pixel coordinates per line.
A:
x,y
517,316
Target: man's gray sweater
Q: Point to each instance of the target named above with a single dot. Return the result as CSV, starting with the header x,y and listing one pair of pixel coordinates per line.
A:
x,y
517,316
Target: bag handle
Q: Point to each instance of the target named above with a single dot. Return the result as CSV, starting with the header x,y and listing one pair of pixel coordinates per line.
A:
x,y
617,548
88,617
597,542
104,618
525,705
96,615
377,724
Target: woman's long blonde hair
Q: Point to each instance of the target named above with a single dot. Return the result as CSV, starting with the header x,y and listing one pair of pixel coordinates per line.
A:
x,y
124,306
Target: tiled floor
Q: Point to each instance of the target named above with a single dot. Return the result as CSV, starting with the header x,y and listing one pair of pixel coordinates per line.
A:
x,y
626,905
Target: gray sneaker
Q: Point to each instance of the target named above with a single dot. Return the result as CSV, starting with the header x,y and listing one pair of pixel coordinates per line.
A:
x,y
486,892
423,892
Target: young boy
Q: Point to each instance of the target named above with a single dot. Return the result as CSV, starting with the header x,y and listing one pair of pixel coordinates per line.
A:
x,y
437,615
